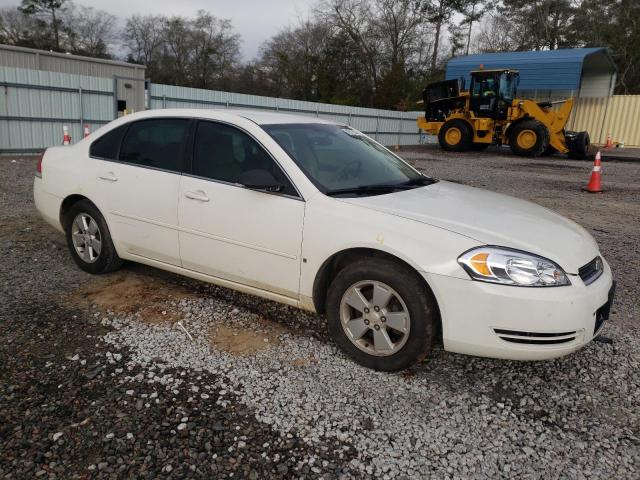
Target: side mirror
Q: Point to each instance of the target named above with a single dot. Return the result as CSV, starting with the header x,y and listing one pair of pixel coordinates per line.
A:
x,y
259,180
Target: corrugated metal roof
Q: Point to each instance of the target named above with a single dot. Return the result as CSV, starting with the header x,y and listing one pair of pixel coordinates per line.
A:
x,y
539,70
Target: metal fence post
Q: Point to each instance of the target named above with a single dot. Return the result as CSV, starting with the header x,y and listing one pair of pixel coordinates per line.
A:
x,y
115,97
399,129
81,109
349,120
377,127
164,101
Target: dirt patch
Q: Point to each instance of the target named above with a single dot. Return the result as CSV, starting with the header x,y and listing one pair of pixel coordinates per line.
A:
x,y
128,293
241,341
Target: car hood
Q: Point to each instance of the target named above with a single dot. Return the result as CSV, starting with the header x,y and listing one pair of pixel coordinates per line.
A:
x,y
492,219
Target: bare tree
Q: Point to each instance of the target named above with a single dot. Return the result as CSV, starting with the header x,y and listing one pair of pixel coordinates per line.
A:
x,y
216,49
353,17
293,59
16,28
496,34
398,23
89,31
143,38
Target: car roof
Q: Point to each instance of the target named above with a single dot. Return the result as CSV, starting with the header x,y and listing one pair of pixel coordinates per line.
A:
x,y
261,117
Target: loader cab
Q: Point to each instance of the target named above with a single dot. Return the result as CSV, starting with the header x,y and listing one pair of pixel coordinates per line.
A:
x,y
491,92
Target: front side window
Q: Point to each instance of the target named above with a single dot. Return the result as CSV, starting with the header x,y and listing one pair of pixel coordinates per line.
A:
x,y
155,143
107,145
341,160
223,153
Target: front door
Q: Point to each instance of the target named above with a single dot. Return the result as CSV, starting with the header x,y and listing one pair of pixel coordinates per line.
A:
x,y
228,231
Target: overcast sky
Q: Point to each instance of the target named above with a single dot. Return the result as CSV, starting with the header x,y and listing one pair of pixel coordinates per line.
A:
x,y
255,20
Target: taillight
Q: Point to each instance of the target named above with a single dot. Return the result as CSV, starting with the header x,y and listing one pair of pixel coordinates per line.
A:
x,y
39,167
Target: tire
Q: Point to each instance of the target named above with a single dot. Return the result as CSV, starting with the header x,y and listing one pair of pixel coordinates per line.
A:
x,y
578,144
407,295
479,147
550,151
455,136
89,240
528,138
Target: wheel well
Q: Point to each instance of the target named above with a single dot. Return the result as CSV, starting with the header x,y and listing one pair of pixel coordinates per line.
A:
x,y
332,266
67,203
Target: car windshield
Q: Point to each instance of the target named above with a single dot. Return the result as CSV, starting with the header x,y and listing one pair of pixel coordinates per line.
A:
x,y
342,161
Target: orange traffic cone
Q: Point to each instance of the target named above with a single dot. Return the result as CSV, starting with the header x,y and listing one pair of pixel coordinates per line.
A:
x,y
66,138
609,142
594,185
87,131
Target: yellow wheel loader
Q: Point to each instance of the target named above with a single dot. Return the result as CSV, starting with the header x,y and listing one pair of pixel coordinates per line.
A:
x,y
489,113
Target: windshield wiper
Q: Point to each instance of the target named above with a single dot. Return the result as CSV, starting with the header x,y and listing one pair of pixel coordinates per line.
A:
x,y
408,185
370,189
420,181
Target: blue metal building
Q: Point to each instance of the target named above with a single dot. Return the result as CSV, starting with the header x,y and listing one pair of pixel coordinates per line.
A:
x,y
579,72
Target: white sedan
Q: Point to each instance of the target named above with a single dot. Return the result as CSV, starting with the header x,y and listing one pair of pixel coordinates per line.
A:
x,y
317,215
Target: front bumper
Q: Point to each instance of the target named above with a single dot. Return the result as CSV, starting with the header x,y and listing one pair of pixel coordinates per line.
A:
x,y
520,323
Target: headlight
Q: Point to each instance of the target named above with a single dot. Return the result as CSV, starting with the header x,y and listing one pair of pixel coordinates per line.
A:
x,y
512,267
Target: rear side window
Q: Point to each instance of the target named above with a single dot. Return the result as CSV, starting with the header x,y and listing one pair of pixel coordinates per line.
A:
x,y
108,144
155,143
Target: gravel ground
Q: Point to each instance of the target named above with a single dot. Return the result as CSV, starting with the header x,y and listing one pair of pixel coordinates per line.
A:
x,y
144,374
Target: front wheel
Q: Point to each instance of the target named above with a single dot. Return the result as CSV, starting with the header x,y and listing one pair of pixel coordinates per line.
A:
x,y
381,314
528,138
89,240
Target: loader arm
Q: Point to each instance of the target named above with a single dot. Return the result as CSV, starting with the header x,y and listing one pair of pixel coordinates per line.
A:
x,y
554,120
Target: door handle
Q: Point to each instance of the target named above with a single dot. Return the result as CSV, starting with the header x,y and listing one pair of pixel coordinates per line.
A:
x,y
198,195
109,177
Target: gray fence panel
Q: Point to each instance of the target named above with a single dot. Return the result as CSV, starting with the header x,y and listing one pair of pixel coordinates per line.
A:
x,y
386,126
37,104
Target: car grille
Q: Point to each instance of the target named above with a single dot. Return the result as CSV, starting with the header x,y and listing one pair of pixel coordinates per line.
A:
x,y
590,272
535,338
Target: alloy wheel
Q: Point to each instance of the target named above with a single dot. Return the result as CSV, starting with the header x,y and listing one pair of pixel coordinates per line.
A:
x,y
375,318
86,237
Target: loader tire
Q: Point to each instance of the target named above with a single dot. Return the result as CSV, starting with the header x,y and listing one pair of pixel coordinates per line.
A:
x,y
578,144
528,138
455,136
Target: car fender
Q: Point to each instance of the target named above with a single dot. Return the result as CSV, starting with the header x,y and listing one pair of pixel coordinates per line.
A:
x,y
332,226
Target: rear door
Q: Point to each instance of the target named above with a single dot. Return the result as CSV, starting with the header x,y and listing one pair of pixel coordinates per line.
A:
x,y
141,187
226,230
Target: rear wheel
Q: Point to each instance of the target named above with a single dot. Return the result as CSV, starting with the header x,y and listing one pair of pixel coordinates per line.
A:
x,y
528,138
578,144
89,240
455,136
381,314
